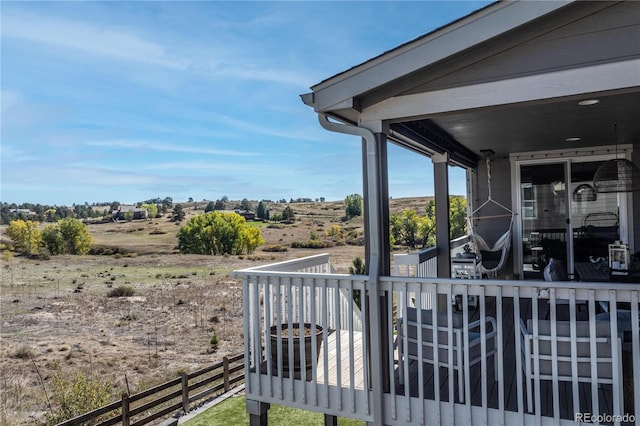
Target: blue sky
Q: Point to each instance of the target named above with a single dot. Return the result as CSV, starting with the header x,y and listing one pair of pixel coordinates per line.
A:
x,y
127,101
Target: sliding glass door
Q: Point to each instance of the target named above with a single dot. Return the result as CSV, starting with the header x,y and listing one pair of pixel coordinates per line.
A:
x,y
544,216
562,217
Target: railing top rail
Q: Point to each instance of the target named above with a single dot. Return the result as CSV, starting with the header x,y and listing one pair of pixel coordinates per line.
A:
x,y
417,257
460,241
539,284
293,264
271,273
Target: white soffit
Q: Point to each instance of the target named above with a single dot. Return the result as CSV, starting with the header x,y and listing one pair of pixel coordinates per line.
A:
x,y
611,77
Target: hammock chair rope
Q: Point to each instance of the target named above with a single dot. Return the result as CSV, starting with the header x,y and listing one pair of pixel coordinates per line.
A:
x,y
502,244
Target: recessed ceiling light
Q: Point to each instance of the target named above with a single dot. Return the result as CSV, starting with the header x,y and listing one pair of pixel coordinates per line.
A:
x,y
573,139
588,102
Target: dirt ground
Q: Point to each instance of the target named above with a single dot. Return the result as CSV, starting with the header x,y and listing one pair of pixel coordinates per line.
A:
x,y
55,314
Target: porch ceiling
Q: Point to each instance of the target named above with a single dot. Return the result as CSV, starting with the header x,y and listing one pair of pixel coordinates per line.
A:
x,y
546,126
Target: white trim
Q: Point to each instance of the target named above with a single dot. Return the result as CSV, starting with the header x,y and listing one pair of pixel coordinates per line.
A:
x,y
476,28
597,152
610,77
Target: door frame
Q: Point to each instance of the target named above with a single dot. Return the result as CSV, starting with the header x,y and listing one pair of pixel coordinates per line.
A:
x,y
566,157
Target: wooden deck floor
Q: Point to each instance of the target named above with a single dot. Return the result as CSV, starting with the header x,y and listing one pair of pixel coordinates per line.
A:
x,y
341,375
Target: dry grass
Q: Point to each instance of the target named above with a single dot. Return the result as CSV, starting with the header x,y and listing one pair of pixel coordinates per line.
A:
x,y
56,313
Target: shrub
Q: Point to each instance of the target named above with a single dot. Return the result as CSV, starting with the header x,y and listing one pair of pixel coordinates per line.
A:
x,y
121,291
313,244
214,342
276,248
23,352
76,393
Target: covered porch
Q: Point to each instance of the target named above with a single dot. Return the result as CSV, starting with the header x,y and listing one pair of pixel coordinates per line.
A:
x,y
509,94
336,371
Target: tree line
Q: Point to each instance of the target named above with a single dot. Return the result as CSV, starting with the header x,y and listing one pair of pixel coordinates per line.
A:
x,y
67,236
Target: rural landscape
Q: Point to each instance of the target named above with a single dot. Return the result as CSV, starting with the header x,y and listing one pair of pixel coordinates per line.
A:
x,y
136,311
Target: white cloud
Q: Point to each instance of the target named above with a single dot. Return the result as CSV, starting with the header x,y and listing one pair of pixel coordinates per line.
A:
x,y
236,61
93,39
252,126
166,147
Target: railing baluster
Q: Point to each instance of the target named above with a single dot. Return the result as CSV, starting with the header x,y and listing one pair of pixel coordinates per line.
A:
x,y
304,297
593,353
635,353
554,354
498,366
338,325
536,352
574,351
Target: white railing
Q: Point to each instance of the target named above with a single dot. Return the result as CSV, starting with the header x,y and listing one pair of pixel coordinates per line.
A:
x,y
533,363
314,374
423,264
292,298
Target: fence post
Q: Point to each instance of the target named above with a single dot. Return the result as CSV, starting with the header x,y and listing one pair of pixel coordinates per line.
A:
x,y
125,409
225,367
185,393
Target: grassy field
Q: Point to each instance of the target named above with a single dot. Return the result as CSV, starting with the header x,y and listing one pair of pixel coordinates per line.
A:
x,y
233,412
56,314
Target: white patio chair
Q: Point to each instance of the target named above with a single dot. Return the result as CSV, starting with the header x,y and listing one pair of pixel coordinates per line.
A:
x,y
473,346
609,369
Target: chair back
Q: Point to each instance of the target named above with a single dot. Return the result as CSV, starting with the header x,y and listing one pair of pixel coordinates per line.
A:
x,y
603,355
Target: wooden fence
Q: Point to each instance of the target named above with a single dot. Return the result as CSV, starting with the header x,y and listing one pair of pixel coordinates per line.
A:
x,y
166,398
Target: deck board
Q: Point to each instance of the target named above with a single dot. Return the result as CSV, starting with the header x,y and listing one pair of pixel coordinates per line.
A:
x,y
346,350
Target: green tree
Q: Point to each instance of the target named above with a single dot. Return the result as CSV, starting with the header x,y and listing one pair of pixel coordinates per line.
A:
x,y
152,209
218,233
50,215
178,213
219,205
210,207
353,205
52,239
75,236
262,212
457,215
358,268
288,215
26,235
246,204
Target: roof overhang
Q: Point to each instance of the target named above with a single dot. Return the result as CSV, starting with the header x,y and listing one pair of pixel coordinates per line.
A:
x,y
437,82
342,90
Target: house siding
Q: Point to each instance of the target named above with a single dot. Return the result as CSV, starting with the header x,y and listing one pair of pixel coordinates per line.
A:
x,y
612,34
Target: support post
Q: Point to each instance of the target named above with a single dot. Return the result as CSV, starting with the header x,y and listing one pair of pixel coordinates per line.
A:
x,y
377,251
330,420
443,234
125,410
185,393
225,369
257,412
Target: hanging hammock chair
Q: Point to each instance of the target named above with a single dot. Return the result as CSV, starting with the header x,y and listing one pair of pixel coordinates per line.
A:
x,y
492,257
